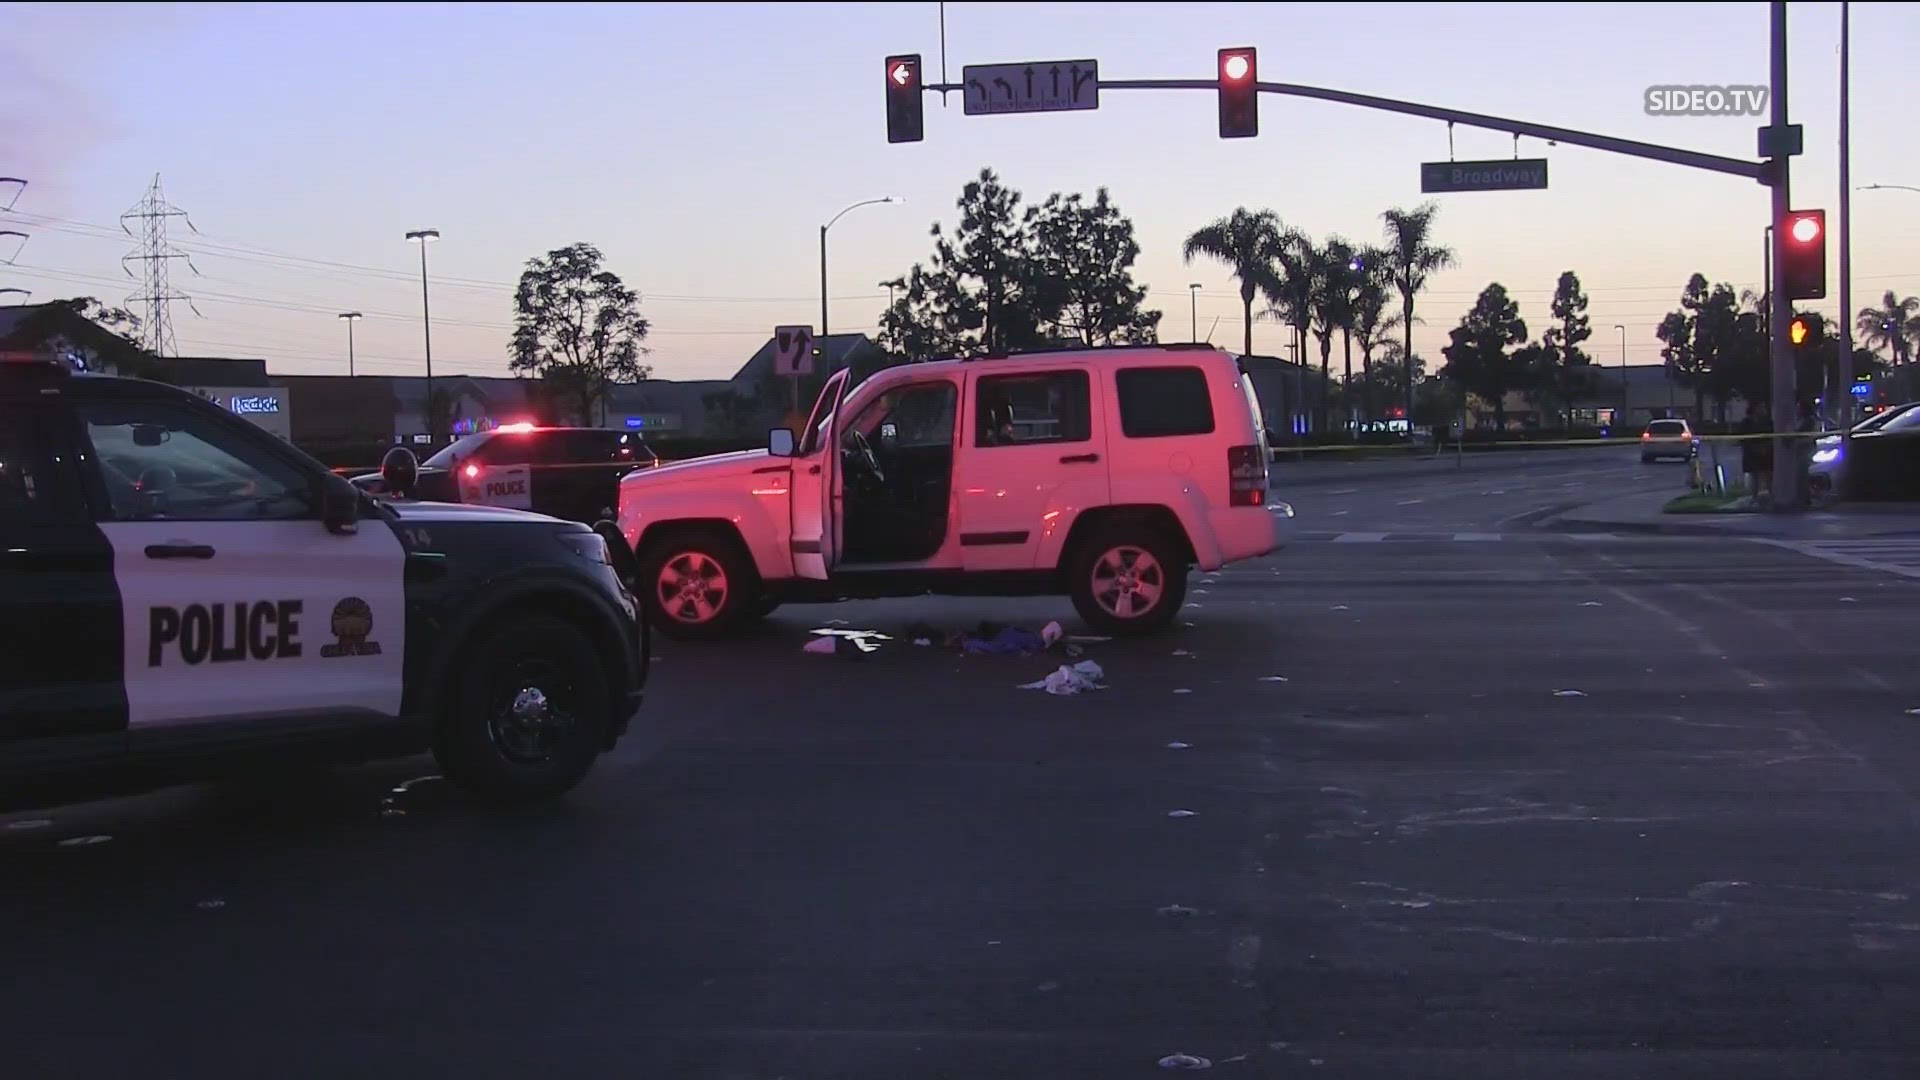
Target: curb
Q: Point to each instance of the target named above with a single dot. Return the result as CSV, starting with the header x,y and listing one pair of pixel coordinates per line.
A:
x,y
1564,524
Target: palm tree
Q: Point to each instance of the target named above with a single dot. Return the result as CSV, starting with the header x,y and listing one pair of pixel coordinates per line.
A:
x,y
1371,326
1893,325
1410,260
1249,242
1290,292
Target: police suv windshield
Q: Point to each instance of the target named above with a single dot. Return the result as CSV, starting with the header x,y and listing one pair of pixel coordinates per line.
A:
x,y
455,451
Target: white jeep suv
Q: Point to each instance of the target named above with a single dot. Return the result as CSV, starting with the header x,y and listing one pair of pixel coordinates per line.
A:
x,y
1100,473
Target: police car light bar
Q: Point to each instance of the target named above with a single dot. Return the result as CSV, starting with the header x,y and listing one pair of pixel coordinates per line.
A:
x,y
521,426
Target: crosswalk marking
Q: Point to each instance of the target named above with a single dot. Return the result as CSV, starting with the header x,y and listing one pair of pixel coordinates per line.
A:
x,y
1890,555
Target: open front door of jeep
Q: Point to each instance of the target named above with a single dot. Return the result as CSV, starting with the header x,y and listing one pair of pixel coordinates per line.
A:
x,y
816,481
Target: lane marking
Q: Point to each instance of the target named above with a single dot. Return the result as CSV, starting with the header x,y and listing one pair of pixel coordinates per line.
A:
x,y
1410,502
1359,538
1343,491
1832,551
1477,536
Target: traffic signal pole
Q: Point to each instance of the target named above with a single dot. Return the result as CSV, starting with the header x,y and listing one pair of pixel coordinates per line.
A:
x,y
1789,477
1752,170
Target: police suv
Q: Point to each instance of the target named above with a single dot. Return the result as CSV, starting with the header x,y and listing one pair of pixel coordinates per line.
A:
x,y
183,594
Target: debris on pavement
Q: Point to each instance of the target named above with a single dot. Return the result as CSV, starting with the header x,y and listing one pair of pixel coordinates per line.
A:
x,y
1338,607
1180,813
1177,746
846,642
29,823
1092,639
1569,693
1185,1061
84,841
1050,633
1273,678
1071,679
1592,603
1183,690
210,905
822,645
1177,911
1005,641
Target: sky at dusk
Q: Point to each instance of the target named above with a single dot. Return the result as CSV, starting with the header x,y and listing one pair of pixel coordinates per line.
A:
x,y
700,146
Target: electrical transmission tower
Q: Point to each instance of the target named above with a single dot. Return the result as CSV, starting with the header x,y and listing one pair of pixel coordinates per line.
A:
x,y
153,210
15,237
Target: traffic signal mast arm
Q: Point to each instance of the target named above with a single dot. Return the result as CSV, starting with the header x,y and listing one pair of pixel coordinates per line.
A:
x,y
1753,170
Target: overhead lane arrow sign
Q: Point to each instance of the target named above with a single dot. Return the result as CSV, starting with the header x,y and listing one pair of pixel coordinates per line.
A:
x,y
1041,86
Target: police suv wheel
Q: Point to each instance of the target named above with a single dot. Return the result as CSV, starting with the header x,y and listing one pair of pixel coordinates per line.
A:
x,y
698,585
1128,581
530,714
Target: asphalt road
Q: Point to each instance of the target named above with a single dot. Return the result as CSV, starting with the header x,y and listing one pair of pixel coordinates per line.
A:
x,y
1413,850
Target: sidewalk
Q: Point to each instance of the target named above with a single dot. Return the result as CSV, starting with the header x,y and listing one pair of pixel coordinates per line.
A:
x,y
1640,512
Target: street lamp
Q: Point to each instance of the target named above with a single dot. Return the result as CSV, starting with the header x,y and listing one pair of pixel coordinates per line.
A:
x,y
823,251
1193,306
350,317
1621,421
423,237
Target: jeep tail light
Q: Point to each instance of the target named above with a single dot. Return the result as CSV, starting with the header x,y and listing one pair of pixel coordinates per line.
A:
x,y
1246,476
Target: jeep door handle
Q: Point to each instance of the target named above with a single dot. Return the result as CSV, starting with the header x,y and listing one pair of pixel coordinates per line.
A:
x,y
1079,459
179,551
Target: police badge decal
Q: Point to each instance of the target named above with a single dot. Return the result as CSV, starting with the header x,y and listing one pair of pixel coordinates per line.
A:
x,y
352,622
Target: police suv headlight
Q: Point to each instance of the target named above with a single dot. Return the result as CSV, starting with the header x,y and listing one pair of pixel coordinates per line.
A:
x,y
1826,454
588,545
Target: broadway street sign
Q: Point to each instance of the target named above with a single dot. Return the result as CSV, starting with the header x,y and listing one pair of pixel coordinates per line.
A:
x,y
1520,174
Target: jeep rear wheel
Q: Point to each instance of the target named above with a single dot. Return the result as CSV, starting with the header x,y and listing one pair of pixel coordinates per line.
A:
x,y
698,585
1128,581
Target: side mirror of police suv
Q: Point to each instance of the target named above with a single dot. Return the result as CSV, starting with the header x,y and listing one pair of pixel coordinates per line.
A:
x,y
339,504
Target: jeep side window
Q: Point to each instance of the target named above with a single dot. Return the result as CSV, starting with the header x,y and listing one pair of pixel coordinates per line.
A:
x,y
1044,407
1158,402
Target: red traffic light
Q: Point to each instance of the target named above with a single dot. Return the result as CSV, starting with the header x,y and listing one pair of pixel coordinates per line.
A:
x,y
1239,94
905,121
1803,255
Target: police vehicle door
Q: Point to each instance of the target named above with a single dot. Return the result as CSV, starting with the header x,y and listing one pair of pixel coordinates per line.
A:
x,y
237,602
59,665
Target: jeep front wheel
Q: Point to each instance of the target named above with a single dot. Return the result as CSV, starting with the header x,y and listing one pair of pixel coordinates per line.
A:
x,y
698,585
1128,581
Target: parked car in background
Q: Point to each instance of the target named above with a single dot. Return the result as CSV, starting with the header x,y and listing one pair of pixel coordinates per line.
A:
x,y
565,472
1883,461
1668,438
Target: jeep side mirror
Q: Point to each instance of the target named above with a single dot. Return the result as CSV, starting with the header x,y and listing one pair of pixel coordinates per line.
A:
x,y
780,442
339,504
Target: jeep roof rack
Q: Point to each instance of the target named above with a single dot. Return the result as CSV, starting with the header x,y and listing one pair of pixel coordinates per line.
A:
x,y
1172,346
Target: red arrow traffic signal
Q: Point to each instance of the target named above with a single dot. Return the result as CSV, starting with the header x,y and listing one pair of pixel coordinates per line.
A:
x,y
905,122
